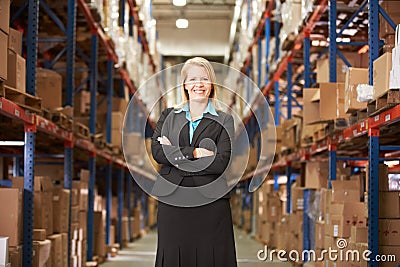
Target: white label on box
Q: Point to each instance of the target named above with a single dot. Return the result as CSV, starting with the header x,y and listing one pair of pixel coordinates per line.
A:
x,y
354,132
335,230
1,105
387,117
56,198
362,125
376,118
16,112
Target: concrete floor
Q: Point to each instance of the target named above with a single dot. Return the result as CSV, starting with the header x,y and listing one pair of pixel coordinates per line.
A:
x,y
141,253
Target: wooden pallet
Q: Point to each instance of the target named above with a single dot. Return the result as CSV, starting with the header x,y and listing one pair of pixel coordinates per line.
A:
x,y
81,130
62,120
357,116
22,99
384,102
116,150
99,141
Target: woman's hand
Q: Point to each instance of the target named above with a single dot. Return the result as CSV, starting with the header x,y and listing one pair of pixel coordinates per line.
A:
x,y
202,152
164,140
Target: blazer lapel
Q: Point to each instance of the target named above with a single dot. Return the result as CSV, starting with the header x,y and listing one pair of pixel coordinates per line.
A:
x,y
205,121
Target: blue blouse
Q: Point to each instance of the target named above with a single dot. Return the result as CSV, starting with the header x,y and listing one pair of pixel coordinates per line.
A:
x,y
193,124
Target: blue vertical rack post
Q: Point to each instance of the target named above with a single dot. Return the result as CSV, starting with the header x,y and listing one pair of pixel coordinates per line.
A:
x,y
68,170
332,41
267,32
71,44
332,148
276,79
373,194
289,187
30,130
92,156
306,224
29,151
289,74
306,59
110,90
120,204
373,153
128,202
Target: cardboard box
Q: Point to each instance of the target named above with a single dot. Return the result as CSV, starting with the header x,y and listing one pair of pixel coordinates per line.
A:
x,y
359,234
116,137
355,60
381,74
393,10
389,205
354,77
344,215
345,191
329,94
39,234
16,71
297,198
118,104
83,224
274,208
41,253
133,144
319,235
75,214
56,250
4,255
83,190
64,249
393,251
82,103
11,215
5,15
61,199
55,171
389,232
49,88
15,41
316,174
15,256
3,53
383,178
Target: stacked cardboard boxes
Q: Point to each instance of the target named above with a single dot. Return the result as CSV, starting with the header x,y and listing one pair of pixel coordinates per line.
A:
x,y
99,218
79,208
389,217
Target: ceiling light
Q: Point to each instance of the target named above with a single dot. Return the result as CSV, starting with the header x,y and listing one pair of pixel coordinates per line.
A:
x,y
179,2
12,143
182,23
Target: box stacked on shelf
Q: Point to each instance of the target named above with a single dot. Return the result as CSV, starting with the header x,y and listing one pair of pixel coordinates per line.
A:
x,y
4,30
79,208
16,66
354,78
389,214
99,219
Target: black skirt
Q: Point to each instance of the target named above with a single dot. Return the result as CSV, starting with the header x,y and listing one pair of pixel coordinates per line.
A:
x,y
196,236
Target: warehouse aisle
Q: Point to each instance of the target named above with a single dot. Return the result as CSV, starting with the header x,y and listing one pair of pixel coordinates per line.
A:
x,y
142,253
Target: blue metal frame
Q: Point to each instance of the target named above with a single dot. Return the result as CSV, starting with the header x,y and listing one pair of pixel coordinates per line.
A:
x,y
306,224
68,161
128,202
276,83
110,91
92,159
289,187
70,46
108,202
120,204
93,83
346,25
53,16
373,195
387,18
332,41
259,54
306,59
29,151
332,165
32,41
373,36
92,182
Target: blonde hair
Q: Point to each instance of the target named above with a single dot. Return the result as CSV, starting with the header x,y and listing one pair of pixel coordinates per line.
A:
x,y
201,62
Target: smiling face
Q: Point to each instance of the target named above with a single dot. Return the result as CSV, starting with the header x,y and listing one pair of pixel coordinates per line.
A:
x,y
198,83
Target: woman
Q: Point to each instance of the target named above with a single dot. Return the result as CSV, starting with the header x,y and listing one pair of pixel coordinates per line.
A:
x,y
193,143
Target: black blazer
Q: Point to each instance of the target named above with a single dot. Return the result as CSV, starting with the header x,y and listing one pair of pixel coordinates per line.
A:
x,y
178,161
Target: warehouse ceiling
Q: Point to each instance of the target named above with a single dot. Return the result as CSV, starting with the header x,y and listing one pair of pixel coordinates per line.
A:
x,y
208,32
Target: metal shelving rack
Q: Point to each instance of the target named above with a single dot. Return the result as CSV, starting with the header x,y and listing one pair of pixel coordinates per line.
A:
x,y
34,123
369,127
